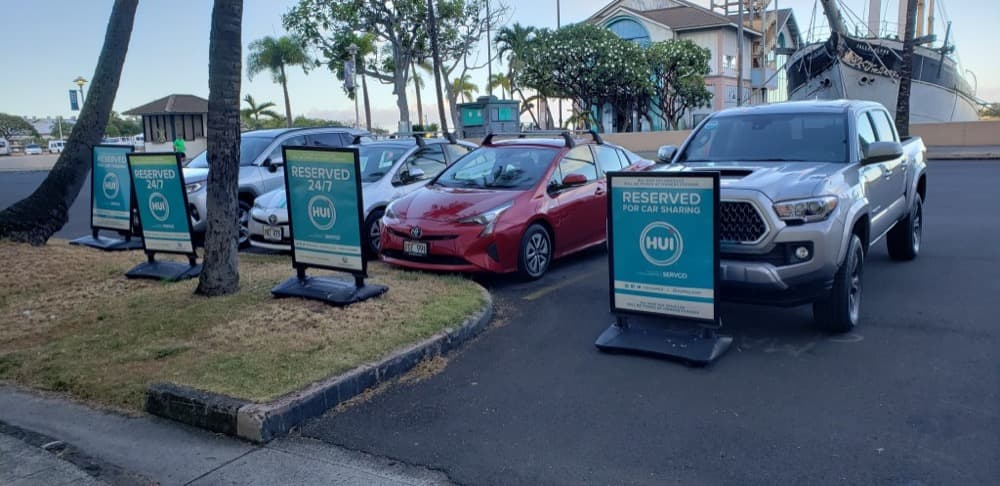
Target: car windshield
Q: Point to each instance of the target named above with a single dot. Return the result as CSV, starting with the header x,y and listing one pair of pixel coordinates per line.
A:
x,y
499,167
377,160
250,149
820,137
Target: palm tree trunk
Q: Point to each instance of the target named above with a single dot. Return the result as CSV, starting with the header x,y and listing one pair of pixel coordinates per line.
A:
x,y
416,86
288,105
37,217
368,107
906,71
432,21
220,274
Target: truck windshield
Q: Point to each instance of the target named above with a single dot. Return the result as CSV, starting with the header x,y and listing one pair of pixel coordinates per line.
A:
x,y
820,137
250,148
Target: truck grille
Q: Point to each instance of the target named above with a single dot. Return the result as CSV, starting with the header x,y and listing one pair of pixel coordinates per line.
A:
x,y
740,222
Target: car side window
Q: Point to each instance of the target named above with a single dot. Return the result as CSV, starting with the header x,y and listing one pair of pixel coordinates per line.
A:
x,y
884,127
579,160
455,151
866,134
327,140
276,156
607,159
429,159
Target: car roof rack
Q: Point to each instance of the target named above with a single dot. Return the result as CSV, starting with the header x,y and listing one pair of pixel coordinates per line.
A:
x,y
566,136
451,137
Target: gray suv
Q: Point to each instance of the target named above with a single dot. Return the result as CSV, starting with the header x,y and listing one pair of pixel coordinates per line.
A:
x,y
260,167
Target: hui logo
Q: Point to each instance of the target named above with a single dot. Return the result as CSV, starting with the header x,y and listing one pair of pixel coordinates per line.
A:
x,y
110,185
159,207
322,213
661,244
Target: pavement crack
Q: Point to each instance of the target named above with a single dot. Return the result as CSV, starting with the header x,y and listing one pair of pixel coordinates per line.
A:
x,y
220,466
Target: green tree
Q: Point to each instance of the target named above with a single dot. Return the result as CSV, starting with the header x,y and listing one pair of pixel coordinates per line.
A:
x,y
220,273
35,218
274,55
252,113
991,110
464,87
15,126
119,126
678,68
591,66
513,42
500,80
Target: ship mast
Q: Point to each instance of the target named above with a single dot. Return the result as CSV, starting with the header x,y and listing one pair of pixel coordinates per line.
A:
x,y
833,17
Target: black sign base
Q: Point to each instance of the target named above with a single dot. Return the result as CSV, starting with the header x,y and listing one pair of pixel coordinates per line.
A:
x,y
699,347
330,290
169,271
108,244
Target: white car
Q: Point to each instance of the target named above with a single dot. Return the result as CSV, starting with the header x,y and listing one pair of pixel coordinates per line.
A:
x,y
390,169
56,146
32,149
4,147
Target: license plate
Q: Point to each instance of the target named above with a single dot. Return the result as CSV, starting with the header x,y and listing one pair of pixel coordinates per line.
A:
x,y
416,248
272,234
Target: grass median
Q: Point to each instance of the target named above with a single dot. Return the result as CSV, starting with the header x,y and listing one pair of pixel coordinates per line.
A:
x,y
71,322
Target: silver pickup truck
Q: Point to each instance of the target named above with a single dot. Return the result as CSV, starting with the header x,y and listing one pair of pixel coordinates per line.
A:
x,y
806,189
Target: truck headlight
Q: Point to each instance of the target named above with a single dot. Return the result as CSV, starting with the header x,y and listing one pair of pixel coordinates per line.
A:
x,y
488,219
194,187
806,210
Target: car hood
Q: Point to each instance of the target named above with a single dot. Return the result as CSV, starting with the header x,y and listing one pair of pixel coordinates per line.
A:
x,y
447,204
192,175
778,181
272,200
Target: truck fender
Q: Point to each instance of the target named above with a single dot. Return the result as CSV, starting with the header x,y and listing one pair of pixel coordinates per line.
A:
x,y
912,188
855,213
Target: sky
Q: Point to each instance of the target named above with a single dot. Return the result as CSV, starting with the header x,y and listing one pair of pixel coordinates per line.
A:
x,y
58,40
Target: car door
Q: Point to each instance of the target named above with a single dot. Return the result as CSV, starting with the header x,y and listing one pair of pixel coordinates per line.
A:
x,y
273,180
579,211
893,171
872,177
430,160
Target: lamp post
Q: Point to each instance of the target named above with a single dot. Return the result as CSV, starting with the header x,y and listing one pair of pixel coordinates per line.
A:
x,y
558,25
353,51
79,83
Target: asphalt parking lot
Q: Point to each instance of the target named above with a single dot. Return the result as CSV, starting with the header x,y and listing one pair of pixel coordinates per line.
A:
x,y
912,397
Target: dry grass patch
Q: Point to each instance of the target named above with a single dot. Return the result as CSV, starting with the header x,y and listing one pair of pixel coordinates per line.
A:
x,y
71,322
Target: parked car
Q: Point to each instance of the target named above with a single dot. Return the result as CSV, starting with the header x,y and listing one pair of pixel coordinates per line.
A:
x,y
807,189
4,147
32,149
508,206
56,146
261,166
389,169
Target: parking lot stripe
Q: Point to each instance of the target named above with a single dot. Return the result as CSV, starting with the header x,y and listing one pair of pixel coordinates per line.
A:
x,y
551,288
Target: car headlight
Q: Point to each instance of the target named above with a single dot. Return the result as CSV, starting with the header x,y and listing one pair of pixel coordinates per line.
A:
x,y
806,210
389,213
193,187
488,219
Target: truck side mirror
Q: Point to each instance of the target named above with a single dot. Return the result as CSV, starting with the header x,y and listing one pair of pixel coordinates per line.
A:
x,y
882,151
666,154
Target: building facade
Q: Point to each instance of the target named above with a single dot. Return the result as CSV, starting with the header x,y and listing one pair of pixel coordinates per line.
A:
x,y
172,116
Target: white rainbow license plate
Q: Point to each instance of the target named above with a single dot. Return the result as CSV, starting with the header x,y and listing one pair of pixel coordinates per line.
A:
x,y
272,234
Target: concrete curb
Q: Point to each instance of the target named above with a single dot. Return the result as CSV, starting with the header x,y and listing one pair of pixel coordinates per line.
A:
x,y
963,156
262,422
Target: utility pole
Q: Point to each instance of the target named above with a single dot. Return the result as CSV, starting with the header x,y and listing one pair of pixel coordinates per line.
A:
x,y
558,25
489,52
739,56
436,55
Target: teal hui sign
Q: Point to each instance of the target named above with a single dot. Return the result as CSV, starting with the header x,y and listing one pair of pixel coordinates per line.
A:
x,y
111,189
663,239
162,202
323,193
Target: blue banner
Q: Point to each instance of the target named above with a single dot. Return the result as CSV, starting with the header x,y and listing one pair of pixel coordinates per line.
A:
x,y
111,189
664,244
73,104
162,203
324,208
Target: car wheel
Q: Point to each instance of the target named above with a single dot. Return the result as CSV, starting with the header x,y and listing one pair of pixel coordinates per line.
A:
x,y
535,254
841,310
243,219
904,238
373,229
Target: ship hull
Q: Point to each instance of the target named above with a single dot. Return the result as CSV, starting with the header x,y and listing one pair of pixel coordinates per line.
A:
x,y
868,69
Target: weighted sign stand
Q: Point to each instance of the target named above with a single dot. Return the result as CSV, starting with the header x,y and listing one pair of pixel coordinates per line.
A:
x,y
166,228
110,200
324,219
673,218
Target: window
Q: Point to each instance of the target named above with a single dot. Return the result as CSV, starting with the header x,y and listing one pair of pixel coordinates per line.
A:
x,y
377,160
455,151
499,167
326,140
276,155
728,62
608,159
866,134
884,127
769,137
429,159
630,30
579,160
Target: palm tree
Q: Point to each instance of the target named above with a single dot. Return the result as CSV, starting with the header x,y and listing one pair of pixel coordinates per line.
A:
x,y
220,273
417,84
502,81
253,111
37,217
511,42
274,55
465,87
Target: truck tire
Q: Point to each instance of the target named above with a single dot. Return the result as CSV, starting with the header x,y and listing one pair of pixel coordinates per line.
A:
x,y
841,310
904,238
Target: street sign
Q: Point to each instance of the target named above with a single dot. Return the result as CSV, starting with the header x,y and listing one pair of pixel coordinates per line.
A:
x,y
325,216
162,206
110,199
663,242
74,105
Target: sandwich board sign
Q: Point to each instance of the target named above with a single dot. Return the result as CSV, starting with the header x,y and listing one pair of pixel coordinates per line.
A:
x,y
663,239
110,200
325,215
162,205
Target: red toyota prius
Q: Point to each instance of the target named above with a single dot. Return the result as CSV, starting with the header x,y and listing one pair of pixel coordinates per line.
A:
x,y
508,206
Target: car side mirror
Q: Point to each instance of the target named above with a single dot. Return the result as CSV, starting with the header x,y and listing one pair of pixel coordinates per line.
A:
x,y
666,154
882,151
272,165
574,180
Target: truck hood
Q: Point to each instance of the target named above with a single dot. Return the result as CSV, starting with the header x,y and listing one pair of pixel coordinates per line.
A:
x,y
779,181
192,175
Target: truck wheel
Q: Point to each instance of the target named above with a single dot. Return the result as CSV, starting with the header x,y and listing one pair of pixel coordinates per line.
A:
x,y
904,238
841,311
536,253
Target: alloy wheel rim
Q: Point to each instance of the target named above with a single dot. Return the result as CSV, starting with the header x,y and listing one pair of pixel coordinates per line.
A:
x,y
537,254
854,298
917,227
244,220
375,235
